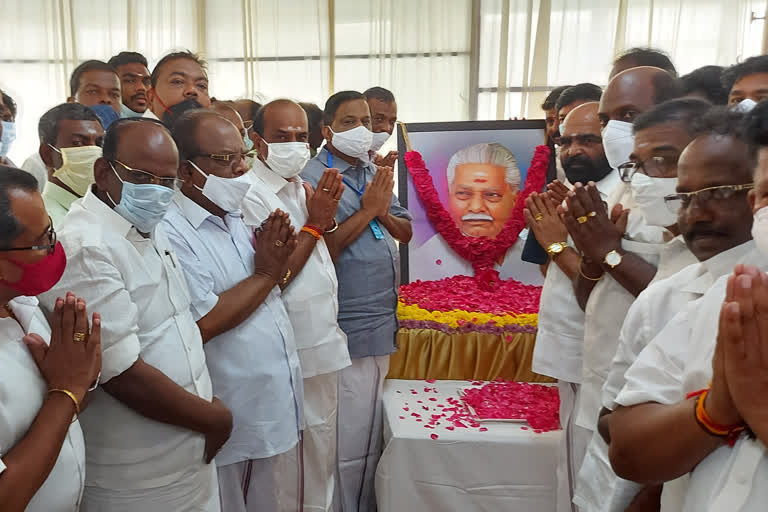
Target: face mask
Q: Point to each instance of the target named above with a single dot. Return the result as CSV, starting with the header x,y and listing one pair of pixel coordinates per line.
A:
x,y
127,112
379,139
172,114
287,159
582,169
226,193
106,114
760,230
143,205
40,277
561,128
354,143
76,170
248,143
9,135
744,106
618,142
649,195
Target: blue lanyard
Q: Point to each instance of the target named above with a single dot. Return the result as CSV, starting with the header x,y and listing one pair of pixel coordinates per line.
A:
x,y
329,159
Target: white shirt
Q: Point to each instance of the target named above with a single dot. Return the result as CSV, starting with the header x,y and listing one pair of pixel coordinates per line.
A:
x,y
254,366
560,336
598,487
138,287
679,360
606,309
22,392
35,166
311,299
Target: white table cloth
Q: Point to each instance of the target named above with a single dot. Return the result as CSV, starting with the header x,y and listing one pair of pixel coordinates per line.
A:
x,y
505,468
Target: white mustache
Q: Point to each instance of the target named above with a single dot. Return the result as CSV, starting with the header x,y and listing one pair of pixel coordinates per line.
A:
x,y
477,216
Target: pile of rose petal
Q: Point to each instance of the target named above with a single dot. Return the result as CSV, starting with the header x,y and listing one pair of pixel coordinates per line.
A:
x,y
538,405
454,414
463,292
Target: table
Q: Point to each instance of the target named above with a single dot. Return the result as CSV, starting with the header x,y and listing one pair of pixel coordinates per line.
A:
x,y
433,354
504,469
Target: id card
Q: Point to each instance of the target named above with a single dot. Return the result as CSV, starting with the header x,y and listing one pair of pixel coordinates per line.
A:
x,y
378,234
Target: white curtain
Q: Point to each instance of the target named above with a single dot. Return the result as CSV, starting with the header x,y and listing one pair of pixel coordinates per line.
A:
x,y
443,59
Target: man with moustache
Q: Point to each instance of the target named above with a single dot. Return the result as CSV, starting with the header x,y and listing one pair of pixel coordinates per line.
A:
x,y
561,321
132,69
179,83
704,368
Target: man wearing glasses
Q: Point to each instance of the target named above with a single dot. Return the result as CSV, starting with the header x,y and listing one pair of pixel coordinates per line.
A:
x,y
153,425
234,280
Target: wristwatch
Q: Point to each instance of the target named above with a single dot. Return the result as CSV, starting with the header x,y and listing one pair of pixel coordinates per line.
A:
x,y
557,248
613,259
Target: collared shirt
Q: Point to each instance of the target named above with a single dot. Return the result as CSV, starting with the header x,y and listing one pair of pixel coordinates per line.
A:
x,y
607,307
254,366
22,393
368,274
598,487
311,299
560,336
57,202
678,361
34,165
139,289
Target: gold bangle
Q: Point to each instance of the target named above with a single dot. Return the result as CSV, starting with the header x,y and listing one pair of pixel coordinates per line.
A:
x,y
581,260
70,395
334,228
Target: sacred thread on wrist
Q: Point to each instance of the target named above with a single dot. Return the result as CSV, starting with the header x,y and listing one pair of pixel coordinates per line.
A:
x,y
728,432
313,230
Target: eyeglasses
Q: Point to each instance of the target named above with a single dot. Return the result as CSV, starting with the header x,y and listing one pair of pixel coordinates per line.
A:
x,y
233,159
140,177
50,247
654,167
677,202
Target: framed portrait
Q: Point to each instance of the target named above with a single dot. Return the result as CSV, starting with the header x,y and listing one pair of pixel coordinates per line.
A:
x,y
478,169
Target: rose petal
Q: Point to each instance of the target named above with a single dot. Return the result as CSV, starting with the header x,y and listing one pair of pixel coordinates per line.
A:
x,y
434,436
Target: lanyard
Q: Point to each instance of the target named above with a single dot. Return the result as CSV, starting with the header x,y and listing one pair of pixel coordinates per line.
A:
x,y
378,234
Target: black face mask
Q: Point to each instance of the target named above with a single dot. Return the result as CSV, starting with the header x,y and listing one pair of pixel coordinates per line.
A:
x,y
172,114
582,169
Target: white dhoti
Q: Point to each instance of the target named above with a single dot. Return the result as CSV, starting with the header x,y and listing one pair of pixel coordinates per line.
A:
x,y
360,436
273,484
199,493
319,438
573,446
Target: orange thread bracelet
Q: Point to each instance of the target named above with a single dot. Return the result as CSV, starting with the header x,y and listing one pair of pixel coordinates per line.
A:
x,y
729,432
312,230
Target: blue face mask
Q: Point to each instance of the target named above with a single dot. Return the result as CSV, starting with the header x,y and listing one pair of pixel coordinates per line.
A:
x,y
561,128
248,143
9,135
127,112
143,205
106,114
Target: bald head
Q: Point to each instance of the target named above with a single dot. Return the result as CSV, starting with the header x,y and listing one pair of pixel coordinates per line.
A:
x,y
583,119
228,111
635,91
206,132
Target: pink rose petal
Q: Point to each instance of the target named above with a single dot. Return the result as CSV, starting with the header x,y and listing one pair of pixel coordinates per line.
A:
x,y
434,436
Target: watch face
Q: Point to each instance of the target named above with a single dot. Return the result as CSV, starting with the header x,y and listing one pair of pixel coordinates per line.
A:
x,y
556,248
613,258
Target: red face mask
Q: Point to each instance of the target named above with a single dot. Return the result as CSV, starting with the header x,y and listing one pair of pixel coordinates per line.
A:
x,y
40,277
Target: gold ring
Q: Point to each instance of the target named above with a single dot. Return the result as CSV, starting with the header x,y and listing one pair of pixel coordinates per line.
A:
x,y
538,217
582,219
279,243
592,214
79,337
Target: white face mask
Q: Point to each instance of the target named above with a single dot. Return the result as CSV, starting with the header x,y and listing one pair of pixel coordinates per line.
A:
x,y
379,139
744,106
355,142
287,159
618,142
226,193
76,169
649,195
760,230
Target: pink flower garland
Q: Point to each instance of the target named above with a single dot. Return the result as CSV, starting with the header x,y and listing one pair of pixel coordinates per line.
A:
x,y
482,252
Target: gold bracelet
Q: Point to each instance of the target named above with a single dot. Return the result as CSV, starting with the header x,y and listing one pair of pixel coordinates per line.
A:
x,y
581,260
70,395
286,277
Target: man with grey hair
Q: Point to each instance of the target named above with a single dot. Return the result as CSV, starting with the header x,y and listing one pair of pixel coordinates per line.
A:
x,y
483,186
